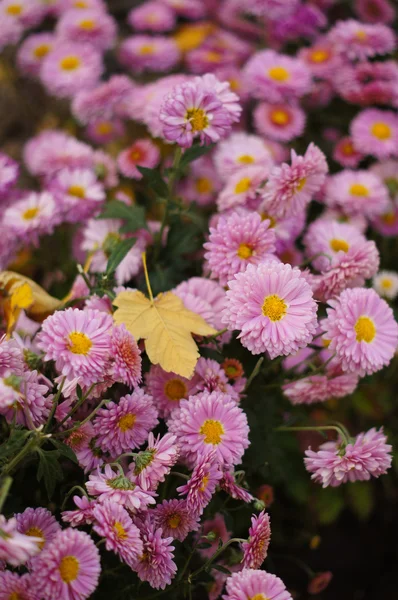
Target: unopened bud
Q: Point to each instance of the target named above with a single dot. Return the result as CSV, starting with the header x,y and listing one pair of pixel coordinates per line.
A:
x,y
259,505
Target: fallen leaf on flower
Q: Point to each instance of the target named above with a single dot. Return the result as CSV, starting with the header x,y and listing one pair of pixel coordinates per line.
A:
x,y
166,326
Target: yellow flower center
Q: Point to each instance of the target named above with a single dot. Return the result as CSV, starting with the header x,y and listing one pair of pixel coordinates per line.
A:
x,y
104,127
69,568
175,389
337,244
120,531
381,130
212,56
326,343
243,185
234,84
203,185
79,343
361,35
80,4
30,213
301,184
244,251
274,307
126,422
174,521
14,9
279,117
38,533
259,597
135,155
319,55
205,481
389,218
386,283
14,596
357,189
87,24
347,149
365,330
246,159
147,49
41,51
279,73
212,430
70,63
198,119
77,190
272,221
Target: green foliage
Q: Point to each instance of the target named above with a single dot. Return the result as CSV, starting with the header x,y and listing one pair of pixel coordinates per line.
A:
x,y
118,254
134,215
155,181
193,153
13,444
49,469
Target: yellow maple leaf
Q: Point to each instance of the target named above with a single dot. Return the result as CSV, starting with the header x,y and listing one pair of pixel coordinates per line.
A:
x,y
166,326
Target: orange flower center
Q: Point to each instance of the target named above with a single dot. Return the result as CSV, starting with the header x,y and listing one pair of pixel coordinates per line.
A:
x,y
69,568
279,74
175,389
212,430
126,422
70,63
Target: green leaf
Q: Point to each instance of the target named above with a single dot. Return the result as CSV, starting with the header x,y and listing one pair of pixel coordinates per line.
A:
x,y
221,569
193,153
13,444
49,470
360,498
155,181
118,254
134,215
64,450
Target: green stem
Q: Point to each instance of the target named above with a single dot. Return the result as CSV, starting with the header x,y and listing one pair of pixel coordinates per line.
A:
x,y
81,423
213,557
341,430
27,449
173,178
182,475
84,275
68,495
5,488
54,406
254,373
78,404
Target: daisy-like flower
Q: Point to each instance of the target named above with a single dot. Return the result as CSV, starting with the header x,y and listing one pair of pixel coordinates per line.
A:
x,y
203,296
112,522
156,564
84,444
241,188
103,132
255,584
358,41
126,357
16,548
291,187
152,16
240,150
191,111
112,485
238,241
69,68
375,11
104,101
202,484
11,358
34,400
346,154
219,530
222,89
168,389
68,568
356,192
320,581
32,52
149,53
33,216
143,153
318,388
80,193
83,515
368,83
14,586
202,183
175,519
229,485
212,377
321,58
78,341
91,26
11,31
385,283
256,548
362,331
151,466
38,523
280,122
334,463
375,132
387,170
210,420
272,9
273,307
9,171
27,13
276,77
387,222
123,426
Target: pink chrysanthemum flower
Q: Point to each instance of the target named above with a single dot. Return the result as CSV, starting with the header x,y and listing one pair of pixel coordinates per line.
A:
x,y
190,9
202,484
32,403
241,188
375,11
387,222
9,171
335,463
16,587
11,31
113,523
276,77
356,192
385,283
27,13
70,68
152,16
103,132
33,51
68,568
104,101
322,58
142,153
272,9
38,523
191,111
149,53
11,358
236,242
229,485
151,466
252,583
156,564
212,377
79,342
123,426
375,132
83,515
280,122
204,297
91,26
291,187
210,420
272,306
35,215
112,485
126,357
256,548
240,150
168,389
218,527
202,183
346,154
105,168
368,83
16,548
83,443
224,93
175,519
80,193
362,331
319,388
358,41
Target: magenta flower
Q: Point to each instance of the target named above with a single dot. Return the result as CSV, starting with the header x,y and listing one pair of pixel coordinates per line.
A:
x,y
375,132
153,464
149,53
345,154
241,188
156,564
319,388
34,215
335,463
356,192
385,283
256,548
126,357
168,389
375,11
14,586
250,583
359,41
38,523
152,16
218,527
175,519
83,515
202,484
142,153
239,150
11,358
9,171
203,296
16,548
92,27
33,51
229,485
80,193
104,101
280,122
211,377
